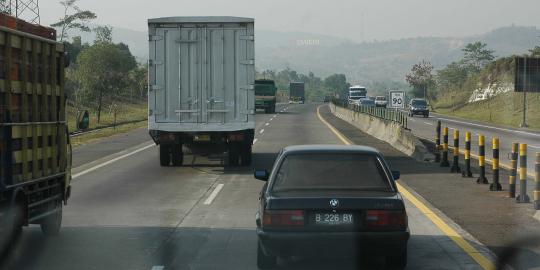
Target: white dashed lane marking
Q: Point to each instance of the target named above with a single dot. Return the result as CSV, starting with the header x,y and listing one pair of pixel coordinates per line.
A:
x,y
262,130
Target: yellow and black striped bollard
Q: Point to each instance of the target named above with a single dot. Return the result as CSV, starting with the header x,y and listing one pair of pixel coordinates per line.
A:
x,y
482,160
495,185
438,142
467,172
455,163
536,194
523,197
444,161
513,170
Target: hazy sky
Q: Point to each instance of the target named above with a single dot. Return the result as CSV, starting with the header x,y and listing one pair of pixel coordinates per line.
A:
x,y
353,19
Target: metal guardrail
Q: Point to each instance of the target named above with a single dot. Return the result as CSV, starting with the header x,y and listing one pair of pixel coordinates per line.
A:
x,y
392,115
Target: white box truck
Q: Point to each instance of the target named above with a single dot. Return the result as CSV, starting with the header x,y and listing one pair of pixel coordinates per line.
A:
x,y
201,87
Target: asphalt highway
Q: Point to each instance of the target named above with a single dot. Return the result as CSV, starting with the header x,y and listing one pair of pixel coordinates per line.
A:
x,y
127,212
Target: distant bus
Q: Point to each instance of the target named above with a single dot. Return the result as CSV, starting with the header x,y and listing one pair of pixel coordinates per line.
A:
x,y
357,92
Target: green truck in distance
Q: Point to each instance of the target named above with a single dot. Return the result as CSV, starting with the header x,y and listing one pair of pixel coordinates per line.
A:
x,y
265,95
297,93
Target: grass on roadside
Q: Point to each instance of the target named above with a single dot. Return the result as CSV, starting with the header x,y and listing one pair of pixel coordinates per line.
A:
x,y
125,112
504,109
106,132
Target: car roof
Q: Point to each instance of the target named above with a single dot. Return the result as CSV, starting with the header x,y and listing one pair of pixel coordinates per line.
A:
x,y
322,148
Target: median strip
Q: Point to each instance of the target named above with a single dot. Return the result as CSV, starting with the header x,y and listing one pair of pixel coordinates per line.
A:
x,y
484,262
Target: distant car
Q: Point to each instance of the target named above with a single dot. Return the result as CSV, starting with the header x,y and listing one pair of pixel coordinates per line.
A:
x,y
371,98
367,102
381,101
315,202
418,106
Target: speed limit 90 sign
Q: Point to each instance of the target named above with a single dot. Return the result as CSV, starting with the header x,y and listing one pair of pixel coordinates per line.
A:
x,y
397,99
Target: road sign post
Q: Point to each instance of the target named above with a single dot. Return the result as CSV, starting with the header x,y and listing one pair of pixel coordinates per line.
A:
x,y
397,99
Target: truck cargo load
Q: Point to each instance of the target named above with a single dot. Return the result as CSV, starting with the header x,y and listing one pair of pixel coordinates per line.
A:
x,y
201,86
35,154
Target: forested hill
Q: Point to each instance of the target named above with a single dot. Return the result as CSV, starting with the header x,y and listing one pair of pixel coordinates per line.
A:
x,y
362,62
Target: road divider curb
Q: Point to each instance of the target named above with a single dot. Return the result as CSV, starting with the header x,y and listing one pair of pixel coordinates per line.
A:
x,y
385,130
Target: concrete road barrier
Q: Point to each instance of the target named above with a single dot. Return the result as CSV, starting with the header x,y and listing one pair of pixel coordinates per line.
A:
x,y
390,131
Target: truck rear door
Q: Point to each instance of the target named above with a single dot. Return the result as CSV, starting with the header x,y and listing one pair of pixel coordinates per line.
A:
x,y
204,74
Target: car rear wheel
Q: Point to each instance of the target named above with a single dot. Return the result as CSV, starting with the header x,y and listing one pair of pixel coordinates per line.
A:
x,y
164,155
398,261
264,261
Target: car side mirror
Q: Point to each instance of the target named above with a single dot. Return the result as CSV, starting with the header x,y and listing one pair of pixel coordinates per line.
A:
x,y
261,175
396,175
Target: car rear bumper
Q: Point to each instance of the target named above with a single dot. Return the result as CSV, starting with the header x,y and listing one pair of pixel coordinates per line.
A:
x,y
332,243
420,111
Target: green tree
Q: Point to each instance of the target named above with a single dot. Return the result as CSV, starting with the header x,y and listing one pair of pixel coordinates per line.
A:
x,y
337,84
74,47
535,52
102,71
453,75
74,18
103,34
421,78
477,55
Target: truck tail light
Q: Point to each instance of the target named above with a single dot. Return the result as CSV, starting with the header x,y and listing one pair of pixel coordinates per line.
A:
x,y
279,218
386,219
238,137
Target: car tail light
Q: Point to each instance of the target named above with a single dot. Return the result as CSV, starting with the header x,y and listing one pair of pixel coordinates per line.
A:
x,y
283,218
386,219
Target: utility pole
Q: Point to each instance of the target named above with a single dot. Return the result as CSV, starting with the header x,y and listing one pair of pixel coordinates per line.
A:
x,y
524,120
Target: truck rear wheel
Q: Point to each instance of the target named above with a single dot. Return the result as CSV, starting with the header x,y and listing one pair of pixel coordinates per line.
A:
x,y
51,224
234,154
164,155
246,155
177,155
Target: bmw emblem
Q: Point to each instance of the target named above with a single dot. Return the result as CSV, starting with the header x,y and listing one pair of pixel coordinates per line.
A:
x,y
334,203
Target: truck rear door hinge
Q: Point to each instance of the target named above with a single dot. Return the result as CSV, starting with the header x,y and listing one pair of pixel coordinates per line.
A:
x,y
154,37
247,62
154,62
248,37
248,87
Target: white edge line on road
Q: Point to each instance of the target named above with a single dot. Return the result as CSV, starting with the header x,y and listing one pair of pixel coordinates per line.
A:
x,y
111,161
534,146
213,194
255,140
157,267
262,130
490,127
428,123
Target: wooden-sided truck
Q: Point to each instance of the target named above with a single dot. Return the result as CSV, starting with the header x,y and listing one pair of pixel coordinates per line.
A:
x,y
35,154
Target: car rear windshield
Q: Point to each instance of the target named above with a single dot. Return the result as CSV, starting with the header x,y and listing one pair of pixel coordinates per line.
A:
x,y
419,103
381,98
331,171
